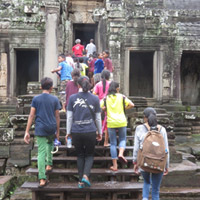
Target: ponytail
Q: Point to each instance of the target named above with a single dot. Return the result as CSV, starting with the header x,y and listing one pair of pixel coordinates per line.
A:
x,y
152,120
83,81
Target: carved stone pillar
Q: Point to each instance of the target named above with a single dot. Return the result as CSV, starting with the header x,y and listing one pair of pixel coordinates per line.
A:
x,y
3,77
51,44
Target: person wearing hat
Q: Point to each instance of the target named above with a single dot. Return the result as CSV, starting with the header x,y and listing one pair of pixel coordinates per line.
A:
x,y
78,48
150,179
84,126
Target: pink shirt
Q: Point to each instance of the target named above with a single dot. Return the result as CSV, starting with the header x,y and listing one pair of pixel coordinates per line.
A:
x,y
98,89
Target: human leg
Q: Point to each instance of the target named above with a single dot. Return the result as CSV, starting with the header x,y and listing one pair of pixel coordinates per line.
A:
x,y
50,147
80,151
42,146
113,146
156,181
89,143
62,93
122,143
146,185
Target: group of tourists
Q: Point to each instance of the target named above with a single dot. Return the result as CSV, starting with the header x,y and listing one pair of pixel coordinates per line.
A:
x,y
94,106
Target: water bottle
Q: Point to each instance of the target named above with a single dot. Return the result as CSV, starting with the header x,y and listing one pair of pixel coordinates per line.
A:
x,y
69,142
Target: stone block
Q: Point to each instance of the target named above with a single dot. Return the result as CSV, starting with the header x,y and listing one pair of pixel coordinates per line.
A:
x,y
5,150
196,150
182,174
22,194
19,155
4,119
6,134
6,183
2,165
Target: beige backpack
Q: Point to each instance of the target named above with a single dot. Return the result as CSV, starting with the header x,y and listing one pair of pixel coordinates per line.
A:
x,y
152,156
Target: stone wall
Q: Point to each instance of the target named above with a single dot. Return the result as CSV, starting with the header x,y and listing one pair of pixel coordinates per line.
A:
x,y
147,25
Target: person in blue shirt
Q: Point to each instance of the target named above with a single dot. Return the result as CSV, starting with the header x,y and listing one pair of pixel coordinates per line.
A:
x,y
47,125
65,75
99,64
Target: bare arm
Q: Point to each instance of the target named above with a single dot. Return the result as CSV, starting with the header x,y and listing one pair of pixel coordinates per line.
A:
x,y
56,70
29,123
57,123
130,105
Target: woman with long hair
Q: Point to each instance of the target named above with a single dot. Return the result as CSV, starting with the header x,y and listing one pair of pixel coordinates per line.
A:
x,y
115,104
72,86
83,122
101,90
154,179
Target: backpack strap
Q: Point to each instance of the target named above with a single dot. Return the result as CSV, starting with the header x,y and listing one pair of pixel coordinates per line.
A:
x,y
146,125
124,104
149,128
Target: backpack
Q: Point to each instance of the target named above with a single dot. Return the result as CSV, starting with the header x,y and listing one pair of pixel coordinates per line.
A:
x,y
152,156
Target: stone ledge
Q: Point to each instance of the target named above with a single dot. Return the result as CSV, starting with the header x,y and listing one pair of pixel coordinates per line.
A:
x,y
6,183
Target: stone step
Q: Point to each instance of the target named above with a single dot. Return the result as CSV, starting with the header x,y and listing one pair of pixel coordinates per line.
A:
x,y
184,174
104,190
177,193
101,172
61,159
6,183
64,148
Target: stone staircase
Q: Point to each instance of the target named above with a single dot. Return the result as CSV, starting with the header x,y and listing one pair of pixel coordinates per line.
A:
x,y
106,184
181,183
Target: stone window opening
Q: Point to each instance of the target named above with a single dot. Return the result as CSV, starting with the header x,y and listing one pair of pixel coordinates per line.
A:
x,y
190,78
27,68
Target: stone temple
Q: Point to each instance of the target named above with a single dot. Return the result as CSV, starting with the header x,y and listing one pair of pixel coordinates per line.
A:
x,y
154,45
155,49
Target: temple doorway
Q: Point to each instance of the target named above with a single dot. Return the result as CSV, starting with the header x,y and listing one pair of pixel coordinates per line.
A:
x,y
84,32
141,74
27,68
190,78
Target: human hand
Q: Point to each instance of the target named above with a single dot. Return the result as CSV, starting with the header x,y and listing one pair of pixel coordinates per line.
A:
x,y
99,137
27,138
166,172
68,135
136,169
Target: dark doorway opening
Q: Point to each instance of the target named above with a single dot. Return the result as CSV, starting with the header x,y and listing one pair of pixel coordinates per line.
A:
x,y
84,32
27,63
141,74
190,78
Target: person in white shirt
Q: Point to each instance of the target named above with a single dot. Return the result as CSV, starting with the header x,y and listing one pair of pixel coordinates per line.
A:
x,y
70,60
90,48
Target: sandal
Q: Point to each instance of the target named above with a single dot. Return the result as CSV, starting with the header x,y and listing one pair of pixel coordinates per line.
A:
x,y
86,182
113,169
42,185
81,185
49,168
122,159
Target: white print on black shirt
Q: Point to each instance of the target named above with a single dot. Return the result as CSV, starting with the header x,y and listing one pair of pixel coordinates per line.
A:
x,y
81,103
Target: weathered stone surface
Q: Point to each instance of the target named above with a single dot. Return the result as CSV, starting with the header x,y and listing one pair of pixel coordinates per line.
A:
x,y
6,183
22,194
19,155
2,165
5,150
196,150
181,174
6,134
4,119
